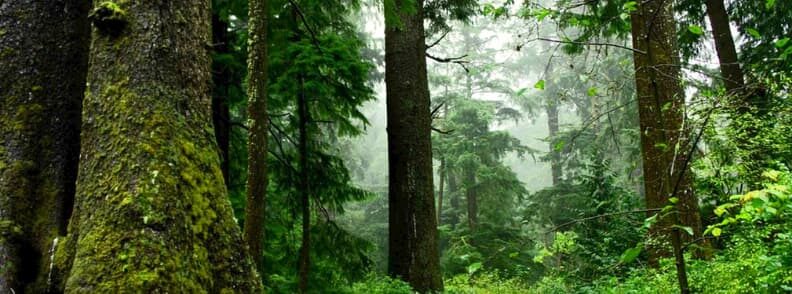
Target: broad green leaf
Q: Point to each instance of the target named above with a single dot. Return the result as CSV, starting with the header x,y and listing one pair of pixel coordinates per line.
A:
x,y
540,85
673,200
716,232
696,30
629,6
687,230
631,254
559,145
754,33
782,43
474,267
769,4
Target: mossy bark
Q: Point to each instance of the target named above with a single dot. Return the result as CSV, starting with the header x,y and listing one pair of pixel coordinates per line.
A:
x,y
258,178
413,242
43,60
665,146
151,212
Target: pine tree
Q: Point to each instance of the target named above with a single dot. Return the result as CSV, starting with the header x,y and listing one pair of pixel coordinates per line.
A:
x,y
413,241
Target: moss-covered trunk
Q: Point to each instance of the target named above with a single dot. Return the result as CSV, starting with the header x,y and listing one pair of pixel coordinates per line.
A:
x,y
43,60
151,212
661,105
413,246
257,177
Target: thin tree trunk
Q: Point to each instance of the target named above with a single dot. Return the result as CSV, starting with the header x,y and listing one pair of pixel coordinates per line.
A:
x,y
733,77
441,190
472,199
555,155
661,105
453,194
413,244
257,179
152,213
305,248
43,62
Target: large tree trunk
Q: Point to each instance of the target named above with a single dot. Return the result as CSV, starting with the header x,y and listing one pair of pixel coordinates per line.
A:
x,y
661,105
413,244
151,212
43,61
257,179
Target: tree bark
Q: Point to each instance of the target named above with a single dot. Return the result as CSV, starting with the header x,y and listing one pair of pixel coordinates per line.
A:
x,y
257,179
304,190
732,74
441,189
555,155
453,197
152,213
472,198
413,244
661,106
43,62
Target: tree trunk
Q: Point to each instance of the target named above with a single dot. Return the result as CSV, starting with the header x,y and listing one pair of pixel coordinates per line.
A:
x,y
222,79
731,72
472,198
257,179
305,248
441,190
152,213
555,155
43,62
453,197
661,105
413,244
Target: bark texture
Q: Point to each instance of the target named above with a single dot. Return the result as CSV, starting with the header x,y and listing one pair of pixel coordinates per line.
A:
x,y
257,179
661,106
151,212
731,72
413,244
43,61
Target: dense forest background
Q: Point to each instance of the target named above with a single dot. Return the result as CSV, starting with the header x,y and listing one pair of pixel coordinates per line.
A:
x,y
396,146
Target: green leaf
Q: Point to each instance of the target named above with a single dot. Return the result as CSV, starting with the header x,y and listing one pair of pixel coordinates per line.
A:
x,y
559,145
782,43
629,6
754,33
687,230
716,232
696,30
474,267
673,200
769,4
631,254
540,85
592,92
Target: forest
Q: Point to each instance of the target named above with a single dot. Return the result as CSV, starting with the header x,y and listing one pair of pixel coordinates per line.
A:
x,y
395,146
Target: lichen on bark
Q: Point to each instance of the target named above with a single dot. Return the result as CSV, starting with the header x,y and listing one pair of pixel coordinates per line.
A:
x,y
151,211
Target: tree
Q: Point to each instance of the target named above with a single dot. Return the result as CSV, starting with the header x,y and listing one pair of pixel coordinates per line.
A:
x,y
413,248
661,107
151,210
258,177
41,91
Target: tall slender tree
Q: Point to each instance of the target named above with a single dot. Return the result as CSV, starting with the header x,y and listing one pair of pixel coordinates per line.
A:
x,y
413,242
661,107
43,61
151,211
257,179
